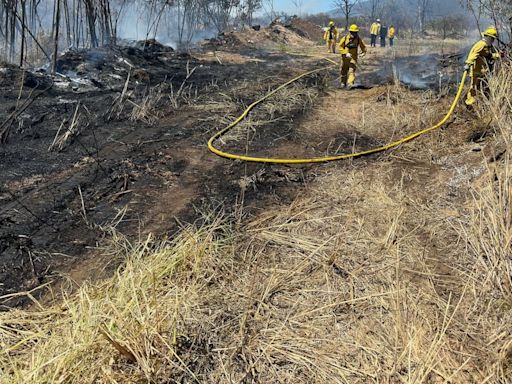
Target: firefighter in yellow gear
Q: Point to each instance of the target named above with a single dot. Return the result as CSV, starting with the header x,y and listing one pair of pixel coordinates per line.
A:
x,y
374,32
391,35
478,61
349,49
331,36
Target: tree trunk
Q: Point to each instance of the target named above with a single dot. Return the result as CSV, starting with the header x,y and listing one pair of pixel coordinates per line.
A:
x,y
347,14
12,31
68,21
23,28
90,15
56,24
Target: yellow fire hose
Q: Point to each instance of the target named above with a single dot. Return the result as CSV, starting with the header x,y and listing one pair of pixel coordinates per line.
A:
x,y
396,143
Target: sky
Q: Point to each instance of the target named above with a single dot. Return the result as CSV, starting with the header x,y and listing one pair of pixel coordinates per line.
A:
x,y
308,6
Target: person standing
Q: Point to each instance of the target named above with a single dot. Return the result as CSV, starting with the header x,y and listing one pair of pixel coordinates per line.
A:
x,y
391,35
479,60
383,35
349,48
374,31
331,37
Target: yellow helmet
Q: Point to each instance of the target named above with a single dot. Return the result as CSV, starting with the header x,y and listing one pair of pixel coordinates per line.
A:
x,y
491,31
353,28
331,23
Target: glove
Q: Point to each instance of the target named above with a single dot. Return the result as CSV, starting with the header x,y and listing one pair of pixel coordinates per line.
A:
x,y
466,67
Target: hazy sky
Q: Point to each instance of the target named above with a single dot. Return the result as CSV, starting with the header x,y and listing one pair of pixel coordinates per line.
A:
x,y
308,6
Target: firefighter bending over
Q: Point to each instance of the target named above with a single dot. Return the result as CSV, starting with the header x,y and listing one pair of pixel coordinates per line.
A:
x,y
349,48
331,37
479,62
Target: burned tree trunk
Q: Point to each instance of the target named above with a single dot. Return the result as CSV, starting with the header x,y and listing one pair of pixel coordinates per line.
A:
x,y
90,14
56,23
106,22
23,29
12,30
68,21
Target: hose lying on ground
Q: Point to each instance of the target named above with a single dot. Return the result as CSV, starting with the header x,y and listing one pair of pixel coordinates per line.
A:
x,y
255,159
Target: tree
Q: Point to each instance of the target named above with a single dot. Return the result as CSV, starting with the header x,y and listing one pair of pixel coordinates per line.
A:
x,y
268,6
499,11
450,25
246,9
298,4
422,13
346,7
56,24
373,8
218,12
187,15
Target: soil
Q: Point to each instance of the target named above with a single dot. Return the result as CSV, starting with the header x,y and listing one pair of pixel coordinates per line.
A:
x,y
294,33
305,28
140,176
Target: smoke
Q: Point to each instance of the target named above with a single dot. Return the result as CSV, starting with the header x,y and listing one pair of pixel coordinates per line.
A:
x,y
139,21
430,71
412,80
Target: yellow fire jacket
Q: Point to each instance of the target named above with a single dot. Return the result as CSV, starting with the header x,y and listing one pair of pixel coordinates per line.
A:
x,y
331,34
479,54
375,28
350,44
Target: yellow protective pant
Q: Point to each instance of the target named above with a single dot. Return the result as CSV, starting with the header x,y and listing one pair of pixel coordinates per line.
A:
x,y
348,71
331,46
476,84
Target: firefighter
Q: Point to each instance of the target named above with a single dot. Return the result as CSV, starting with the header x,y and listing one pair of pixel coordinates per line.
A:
x,y
349,48
331,37
383,35
479,60
374,31
391,35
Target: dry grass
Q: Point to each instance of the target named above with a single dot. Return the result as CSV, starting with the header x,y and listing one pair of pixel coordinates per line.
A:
x,y
147,109
123,330
60,142
384,113
289,101
147,105
407,46
382,271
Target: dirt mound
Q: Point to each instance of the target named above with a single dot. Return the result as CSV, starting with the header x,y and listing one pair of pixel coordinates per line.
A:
x,y
305,28
274,35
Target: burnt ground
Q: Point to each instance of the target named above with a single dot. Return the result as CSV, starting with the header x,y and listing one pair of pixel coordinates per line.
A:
x,y
56,204
140,173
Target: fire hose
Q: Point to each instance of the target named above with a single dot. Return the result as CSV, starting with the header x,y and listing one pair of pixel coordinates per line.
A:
x,y
222,132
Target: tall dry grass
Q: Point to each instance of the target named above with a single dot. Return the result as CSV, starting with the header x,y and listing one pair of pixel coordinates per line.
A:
x,y
124,329
487,230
